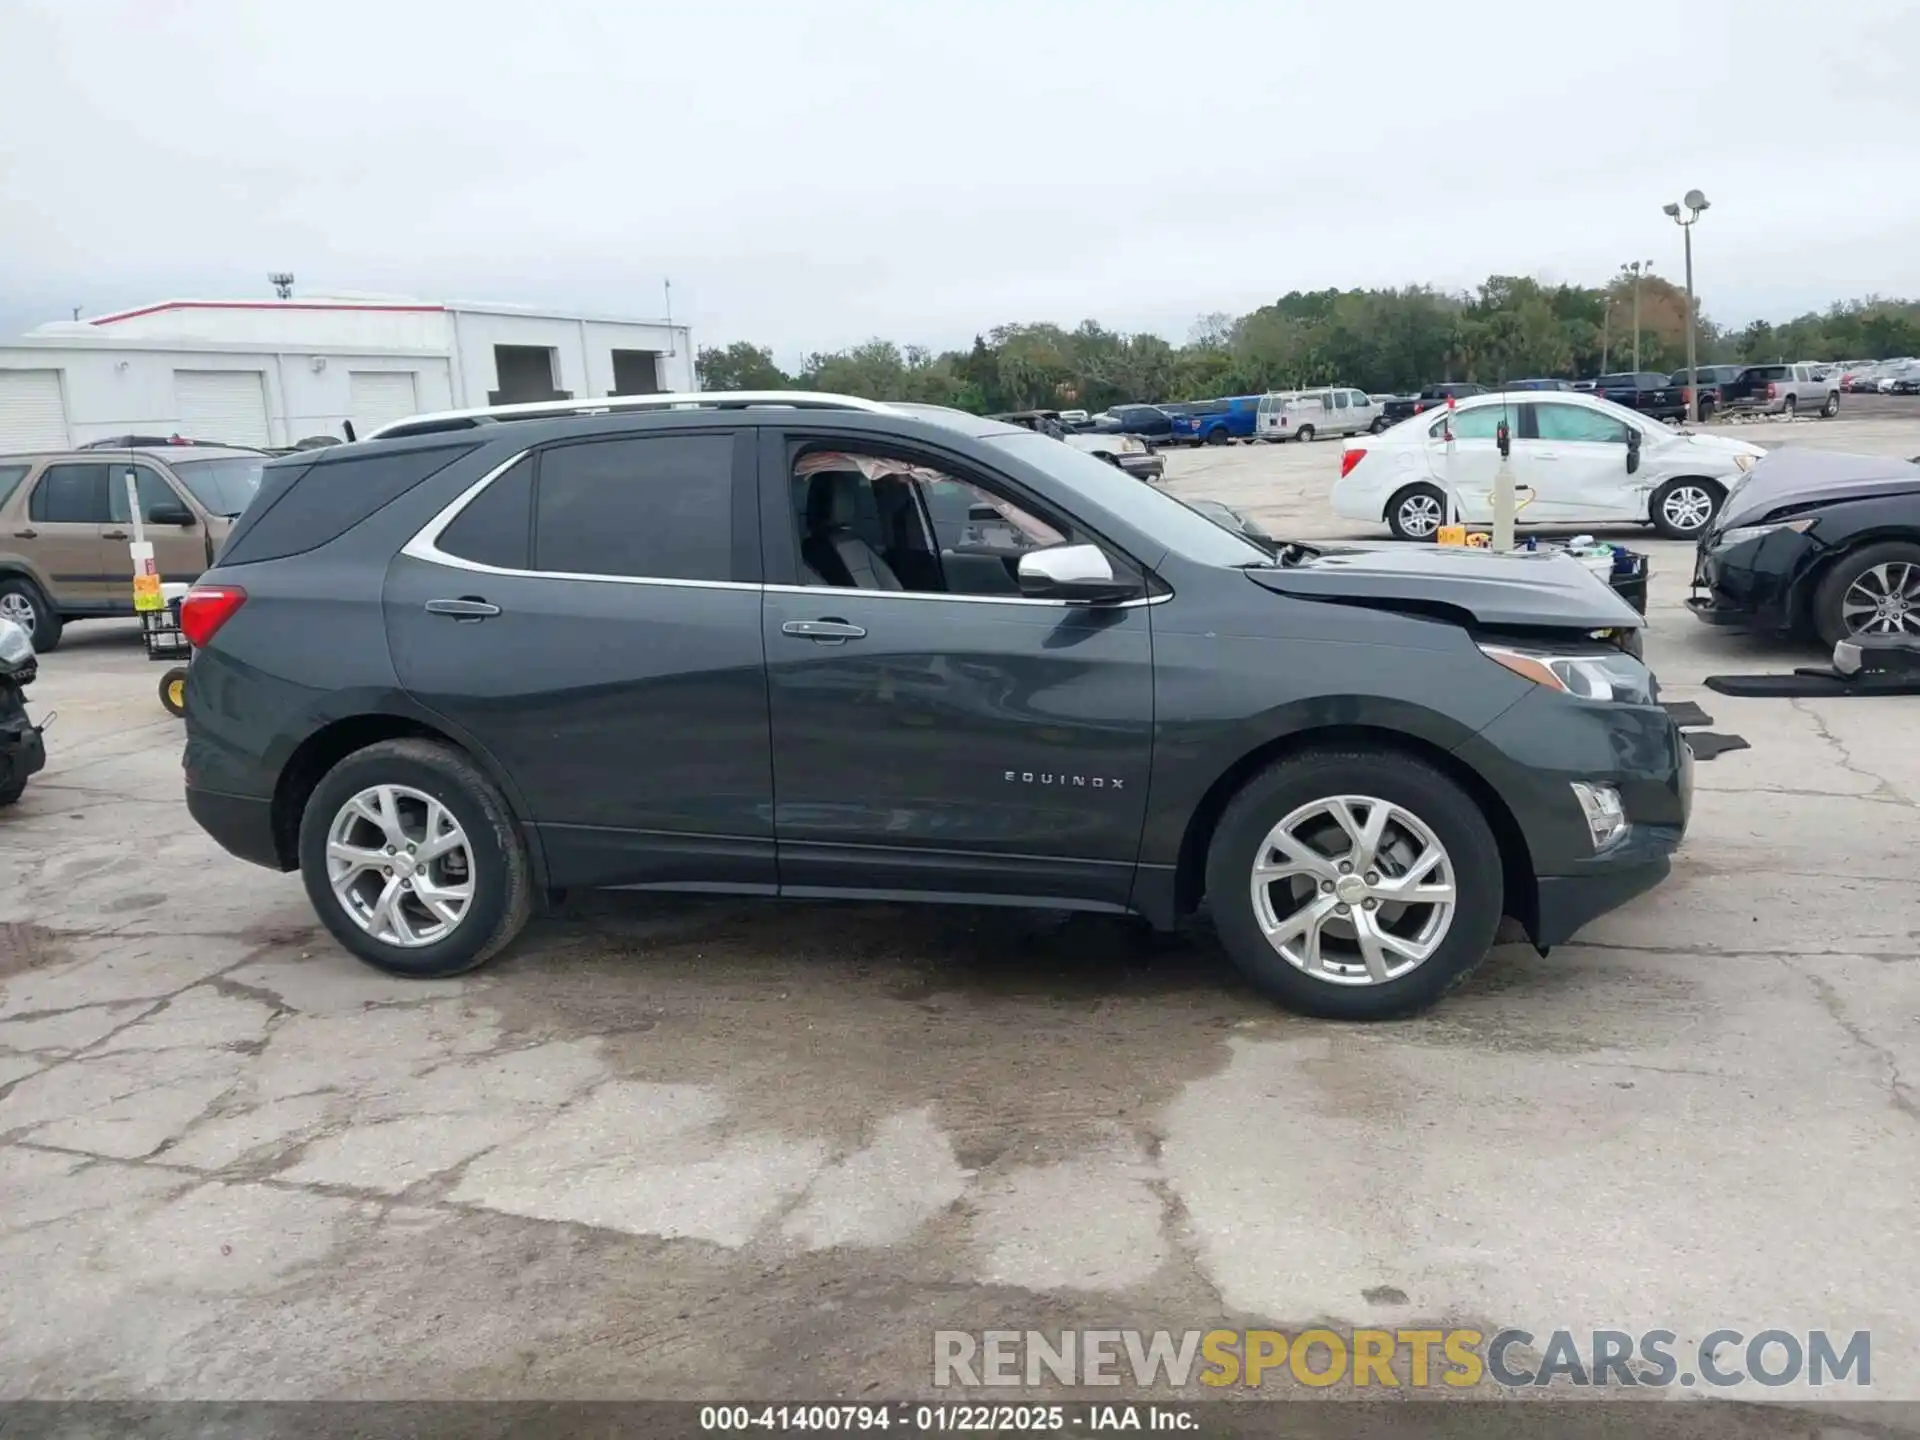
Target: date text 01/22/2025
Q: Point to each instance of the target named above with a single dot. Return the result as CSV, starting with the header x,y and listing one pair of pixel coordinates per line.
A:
x,y
948,1419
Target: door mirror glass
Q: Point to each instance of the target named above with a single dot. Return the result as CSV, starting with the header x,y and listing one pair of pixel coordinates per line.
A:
x,y
1633,450
1072,572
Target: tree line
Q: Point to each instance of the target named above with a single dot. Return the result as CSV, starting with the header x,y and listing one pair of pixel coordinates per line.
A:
x,y
1510,328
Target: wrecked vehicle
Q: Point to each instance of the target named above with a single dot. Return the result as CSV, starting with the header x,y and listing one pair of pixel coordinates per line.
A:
x,y
819,647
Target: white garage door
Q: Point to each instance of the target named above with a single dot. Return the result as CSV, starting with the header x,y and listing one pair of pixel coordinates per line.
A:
x,y
33,416
229,405
380,397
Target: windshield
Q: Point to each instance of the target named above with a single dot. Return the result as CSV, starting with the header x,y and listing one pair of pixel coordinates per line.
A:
x,y
223,487
1150,511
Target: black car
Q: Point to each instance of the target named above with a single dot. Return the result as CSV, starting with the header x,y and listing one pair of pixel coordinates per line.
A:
x,y
1815,542
1151,422
488,657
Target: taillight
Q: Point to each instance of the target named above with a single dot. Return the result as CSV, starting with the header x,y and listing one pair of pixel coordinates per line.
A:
x,y
1349,460
1773,391
206,609
1418,406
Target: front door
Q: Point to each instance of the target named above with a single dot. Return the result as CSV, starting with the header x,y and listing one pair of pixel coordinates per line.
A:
x,y
591,619
179,551
66,514
933,729
1581,455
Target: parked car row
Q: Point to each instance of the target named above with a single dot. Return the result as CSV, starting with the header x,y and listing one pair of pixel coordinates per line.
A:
x,y
1881,377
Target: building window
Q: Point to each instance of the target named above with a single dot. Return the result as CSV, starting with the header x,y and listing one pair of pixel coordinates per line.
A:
x,y
636,372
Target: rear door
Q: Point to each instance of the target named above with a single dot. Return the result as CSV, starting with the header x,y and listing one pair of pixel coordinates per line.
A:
x,y
62,537
950,734
591,616
1463,457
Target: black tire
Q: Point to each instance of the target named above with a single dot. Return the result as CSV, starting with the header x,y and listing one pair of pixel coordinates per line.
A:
x,y
1379,424
1791,408
1828,621
1657,506
47,624
173,691
1440,804
503,884
1305,432
1832,407
12,791
1400,513
1218,437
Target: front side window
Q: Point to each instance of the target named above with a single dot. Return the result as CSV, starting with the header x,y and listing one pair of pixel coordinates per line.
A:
x,y
1341,400
155,495
1577,423
656,507
70,495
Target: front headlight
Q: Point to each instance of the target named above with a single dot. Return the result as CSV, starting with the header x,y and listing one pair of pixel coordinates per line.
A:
x,y
16,645
1603,675
1744,463
1740,534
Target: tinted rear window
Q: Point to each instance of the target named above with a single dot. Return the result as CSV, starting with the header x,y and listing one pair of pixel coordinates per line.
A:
x,y
302,506
496,528
657,507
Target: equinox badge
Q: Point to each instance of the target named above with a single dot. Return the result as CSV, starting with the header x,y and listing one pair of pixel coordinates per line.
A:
x,y
1043,777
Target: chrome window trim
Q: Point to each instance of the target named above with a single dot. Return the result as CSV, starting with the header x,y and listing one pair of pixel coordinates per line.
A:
x,y
425,546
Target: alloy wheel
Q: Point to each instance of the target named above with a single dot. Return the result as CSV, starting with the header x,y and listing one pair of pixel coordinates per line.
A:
x,y
400,865
1883,600
18,608
1353,890
1687,507
1420,515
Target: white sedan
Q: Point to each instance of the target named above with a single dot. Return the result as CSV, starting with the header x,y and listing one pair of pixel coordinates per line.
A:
x,y
1576,459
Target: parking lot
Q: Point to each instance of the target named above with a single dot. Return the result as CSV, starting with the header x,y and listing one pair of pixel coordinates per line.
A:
x,y
717,1148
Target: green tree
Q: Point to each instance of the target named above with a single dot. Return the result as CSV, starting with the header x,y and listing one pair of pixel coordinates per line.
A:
x,y
741,366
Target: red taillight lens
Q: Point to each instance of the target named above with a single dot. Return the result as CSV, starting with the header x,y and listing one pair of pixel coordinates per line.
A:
x,y
1773,391
1349,460
1418,406
206,609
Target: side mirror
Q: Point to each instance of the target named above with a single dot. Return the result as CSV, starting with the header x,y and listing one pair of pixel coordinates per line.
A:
x,y
1633,451
1072,572
1504,438
171,515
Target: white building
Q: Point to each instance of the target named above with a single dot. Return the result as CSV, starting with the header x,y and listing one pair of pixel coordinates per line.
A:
x,y
271,372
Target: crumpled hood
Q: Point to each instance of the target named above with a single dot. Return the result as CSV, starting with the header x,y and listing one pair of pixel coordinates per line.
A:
x,y
1798,475
1541,588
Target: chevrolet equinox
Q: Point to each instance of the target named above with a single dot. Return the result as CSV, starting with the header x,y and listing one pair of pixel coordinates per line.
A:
x,y
816,647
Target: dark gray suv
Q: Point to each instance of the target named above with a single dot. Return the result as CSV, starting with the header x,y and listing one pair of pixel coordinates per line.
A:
x,y
809,646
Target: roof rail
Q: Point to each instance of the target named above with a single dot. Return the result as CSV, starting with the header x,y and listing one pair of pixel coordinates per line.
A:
x,y
616,404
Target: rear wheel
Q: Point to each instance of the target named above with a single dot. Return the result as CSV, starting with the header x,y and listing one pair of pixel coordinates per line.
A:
x,y
1354,884
1416,513
412,859
1873,591
1218,437
1379,424
22,603
1790,408
1682,508
1305,432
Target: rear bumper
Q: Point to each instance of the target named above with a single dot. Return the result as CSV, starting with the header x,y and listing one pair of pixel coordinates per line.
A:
x,y
240,825
1145,467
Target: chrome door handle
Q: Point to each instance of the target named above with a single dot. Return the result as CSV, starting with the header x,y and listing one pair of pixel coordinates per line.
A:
x,y
467,608
831,632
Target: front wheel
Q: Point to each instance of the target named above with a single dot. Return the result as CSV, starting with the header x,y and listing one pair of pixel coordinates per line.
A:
x,y
1416,513
1873,591
412,859
1354,884
1682,508
1832,407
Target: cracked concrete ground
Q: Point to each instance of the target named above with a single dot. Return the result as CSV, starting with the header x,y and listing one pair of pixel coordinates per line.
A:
x,y
715,1148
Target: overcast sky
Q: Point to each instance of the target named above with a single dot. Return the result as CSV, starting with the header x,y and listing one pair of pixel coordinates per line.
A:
x,y
810,173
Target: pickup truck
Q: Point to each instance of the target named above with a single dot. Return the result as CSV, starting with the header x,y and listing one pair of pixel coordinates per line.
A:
x,y
1216,422
1784,390
1648,391
1713,380
1405,407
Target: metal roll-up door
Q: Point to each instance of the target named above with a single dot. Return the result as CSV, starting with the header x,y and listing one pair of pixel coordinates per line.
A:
x,y
33,412
380,397
229,405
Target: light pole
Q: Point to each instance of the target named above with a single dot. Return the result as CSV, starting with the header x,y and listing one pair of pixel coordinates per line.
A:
x,y
1695,204
1636,268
